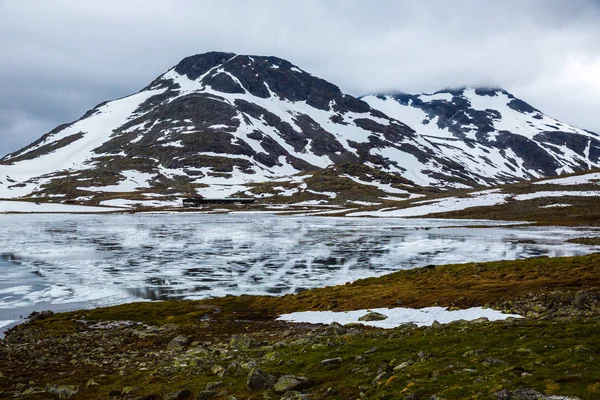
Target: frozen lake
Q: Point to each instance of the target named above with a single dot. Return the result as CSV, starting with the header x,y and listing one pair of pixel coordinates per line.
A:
x,y
64,262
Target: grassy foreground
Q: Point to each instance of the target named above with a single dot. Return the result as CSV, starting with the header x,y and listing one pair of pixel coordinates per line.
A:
x,y
232,348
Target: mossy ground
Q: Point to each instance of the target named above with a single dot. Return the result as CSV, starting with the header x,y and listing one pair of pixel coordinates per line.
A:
x,y
556,350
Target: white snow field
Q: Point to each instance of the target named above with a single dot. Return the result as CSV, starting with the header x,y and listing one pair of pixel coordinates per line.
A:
x,y
478,199
573,180
397,316
29,207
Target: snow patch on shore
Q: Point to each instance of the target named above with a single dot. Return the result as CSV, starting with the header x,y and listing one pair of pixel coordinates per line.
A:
x,y
397,316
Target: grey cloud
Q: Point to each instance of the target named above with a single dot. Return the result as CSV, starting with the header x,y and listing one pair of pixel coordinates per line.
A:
x,y
63,57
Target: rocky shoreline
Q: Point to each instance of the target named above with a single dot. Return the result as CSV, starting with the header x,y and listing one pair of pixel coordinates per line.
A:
x,y
233,348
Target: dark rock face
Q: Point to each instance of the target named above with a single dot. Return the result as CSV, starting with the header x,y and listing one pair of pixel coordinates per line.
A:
x,y
533,155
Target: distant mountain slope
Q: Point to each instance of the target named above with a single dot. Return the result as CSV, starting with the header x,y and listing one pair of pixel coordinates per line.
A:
x,y
493,132
221,124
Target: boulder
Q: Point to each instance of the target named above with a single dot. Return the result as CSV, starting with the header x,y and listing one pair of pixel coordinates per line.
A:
x,y
259,380
372,316
292,383
177,343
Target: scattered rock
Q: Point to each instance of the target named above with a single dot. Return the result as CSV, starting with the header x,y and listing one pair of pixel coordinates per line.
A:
x,y
62,391
91,383
402,366
206,395
436,325
332,361
372,316
179,395
528,394
178,343
259,380
294,395
40,315
371,350
360,359
335,329
130,389
244,342
472,353
524,350
381,378
493,361
217,369
292,383
214,385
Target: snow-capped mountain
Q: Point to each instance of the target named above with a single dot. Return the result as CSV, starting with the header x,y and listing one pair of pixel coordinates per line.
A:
x,y
219,124
493,133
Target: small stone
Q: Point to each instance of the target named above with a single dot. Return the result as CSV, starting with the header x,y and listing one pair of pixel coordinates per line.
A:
x,y
436,325
402,366
371,350
243,342
292,383
330,392
130,389
472,353
360,359
522,394
206,395
335,329
332,361
179,395
381,378
259,380
40,315
581,349
524,350
62,391
493,361
178,343
372,316
214,385
217,369
91,383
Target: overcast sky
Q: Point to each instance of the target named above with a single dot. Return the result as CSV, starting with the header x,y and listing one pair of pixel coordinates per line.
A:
x,y
62,57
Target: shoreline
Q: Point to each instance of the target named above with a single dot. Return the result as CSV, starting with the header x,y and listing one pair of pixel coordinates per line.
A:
x,y
214,347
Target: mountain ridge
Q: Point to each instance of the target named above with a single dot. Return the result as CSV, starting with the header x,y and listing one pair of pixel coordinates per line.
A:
x,y
222,124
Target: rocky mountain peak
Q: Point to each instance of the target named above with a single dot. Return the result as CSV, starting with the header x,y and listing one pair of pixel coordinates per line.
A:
x,y
258,76
224,124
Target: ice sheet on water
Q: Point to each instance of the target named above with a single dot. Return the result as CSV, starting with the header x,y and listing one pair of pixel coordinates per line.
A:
x,y
110,259
5,323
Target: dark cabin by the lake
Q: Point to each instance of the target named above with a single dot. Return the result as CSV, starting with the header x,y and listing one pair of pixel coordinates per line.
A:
x,y
200,201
